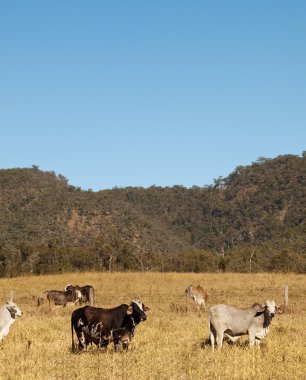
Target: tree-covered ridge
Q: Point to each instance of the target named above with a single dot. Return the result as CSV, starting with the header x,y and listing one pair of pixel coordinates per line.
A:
x,y
254,219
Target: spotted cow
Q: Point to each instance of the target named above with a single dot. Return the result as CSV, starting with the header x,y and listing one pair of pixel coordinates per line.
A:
x,y
87,293
102,326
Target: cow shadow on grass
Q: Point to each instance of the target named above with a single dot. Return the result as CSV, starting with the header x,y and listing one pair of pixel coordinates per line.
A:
x,y
96,351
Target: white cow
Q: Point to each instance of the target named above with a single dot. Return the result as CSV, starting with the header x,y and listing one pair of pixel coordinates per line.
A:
x,y
8,313
233,322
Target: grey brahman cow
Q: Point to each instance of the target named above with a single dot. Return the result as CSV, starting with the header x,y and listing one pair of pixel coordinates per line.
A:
x,y
233,322
8,313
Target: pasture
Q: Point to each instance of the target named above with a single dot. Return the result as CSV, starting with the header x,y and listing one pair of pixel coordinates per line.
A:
x,y
171,344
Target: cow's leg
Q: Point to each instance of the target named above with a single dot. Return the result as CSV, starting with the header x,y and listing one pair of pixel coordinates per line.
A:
x,y
257,341
125,346
212,335
251,339
4,332
219,339
212,340
116,346
82,341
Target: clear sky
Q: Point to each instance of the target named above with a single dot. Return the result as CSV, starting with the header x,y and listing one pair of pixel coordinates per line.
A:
x,y
140,93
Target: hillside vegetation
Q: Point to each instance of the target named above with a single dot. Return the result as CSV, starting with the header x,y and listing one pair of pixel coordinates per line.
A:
x,y
252,220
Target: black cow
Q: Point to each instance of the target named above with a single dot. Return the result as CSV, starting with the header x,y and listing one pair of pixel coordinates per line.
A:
x,y
101,326
60,297
87,292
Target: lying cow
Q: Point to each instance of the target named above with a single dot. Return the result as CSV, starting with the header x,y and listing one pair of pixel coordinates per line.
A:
x,y
101,326
233,322
60,297
8,313
198,294
87,292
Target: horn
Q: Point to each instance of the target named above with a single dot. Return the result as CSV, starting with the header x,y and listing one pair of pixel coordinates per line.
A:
x,y
11,295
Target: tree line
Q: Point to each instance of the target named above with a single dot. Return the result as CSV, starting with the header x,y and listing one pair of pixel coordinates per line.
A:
x,y
252,220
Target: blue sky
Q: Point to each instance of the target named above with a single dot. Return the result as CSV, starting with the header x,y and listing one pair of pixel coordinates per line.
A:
x,y
141,93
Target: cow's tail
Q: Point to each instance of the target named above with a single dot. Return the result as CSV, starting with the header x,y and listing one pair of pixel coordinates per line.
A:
x,y
72,340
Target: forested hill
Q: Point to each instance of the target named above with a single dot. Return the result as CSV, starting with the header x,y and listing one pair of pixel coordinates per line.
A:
x,y
252,220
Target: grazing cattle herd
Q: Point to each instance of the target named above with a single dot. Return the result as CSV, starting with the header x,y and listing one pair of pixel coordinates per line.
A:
x,y
117,325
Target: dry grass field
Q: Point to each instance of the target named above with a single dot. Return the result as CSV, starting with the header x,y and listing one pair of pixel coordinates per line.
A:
x,y
170,344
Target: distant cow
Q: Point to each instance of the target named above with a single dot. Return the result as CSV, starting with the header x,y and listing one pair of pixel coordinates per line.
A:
x,y
102,326
60,297
198,294
8,313
87,292
234,322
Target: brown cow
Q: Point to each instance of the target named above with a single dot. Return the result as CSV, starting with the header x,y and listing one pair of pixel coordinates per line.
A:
x,y
198,294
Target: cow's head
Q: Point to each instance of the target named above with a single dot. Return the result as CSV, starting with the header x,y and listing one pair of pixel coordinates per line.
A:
x,y
69,287
188,291
271,306
138,311
12,307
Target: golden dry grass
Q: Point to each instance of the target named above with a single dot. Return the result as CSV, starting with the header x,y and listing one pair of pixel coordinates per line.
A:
x,y
170,344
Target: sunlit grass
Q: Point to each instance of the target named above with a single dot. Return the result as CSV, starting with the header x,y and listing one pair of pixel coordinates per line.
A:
x,y
171,344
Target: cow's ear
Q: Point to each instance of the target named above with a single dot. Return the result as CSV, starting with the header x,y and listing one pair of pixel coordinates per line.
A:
x,y
12,311
129,310
259,310
146,308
